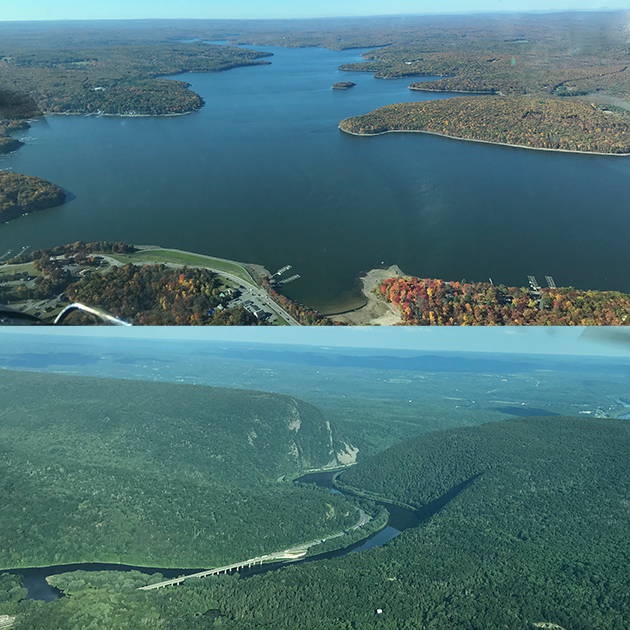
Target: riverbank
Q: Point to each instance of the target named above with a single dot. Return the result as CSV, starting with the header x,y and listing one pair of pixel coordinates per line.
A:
x,y
375,312
40,585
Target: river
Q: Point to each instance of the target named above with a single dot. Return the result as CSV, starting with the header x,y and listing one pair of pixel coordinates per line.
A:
x,y
263,174
34,579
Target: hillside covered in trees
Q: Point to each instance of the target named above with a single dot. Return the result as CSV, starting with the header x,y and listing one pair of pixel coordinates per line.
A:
x,y
431,302
20,194
538,123
157,474
537,537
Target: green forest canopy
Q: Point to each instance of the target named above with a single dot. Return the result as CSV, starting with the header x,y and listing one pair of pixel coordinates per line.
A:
x,y
539,537
157,474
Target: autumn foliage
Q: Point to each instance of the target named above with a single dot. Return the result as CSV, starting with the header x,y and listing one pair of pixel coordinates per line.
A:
x,y
159,295
542,123
431,302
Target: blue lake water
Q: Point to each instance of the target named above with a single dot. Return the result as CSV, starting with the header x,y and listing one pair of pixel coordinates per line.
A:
x,y
263,174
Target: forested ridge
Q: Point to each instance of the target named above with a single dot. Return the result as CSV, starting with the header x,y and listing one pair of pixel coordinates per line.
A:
x,y
157,474
539,123
539,537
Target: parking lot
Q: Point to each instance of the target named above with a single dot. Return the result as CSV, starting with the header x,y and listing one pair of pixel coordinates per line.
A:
x,y
251,302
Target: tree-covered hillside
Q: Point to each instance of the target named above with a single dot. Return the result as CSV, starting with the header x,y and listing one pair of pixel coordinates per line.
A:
x,y
156,474
540,537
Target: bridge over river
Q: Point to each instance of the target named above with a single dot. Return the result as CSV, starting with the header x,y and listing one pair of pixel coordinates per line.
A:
x,y
287,555
274,557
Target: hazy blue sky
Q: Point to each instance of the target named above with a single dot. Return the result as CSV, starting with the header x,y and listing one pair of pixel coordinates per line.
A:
x,y
531,340
123,9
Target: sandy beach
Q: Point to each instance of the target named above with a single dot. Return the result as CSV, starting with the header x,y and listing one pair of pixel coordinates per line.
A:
x,y
376,312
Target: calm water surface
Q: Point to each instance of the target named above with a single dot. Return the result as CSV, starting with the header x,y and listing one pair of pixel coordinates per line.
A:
x,y
262,174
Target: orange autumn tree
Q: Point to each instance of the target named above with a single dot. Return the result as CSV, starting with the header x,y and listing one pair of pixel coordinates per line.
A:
x,y
434,302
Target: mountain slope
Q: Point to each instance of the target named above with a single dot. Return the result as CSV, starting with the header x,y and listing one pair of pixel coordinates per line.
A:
x,y
156,474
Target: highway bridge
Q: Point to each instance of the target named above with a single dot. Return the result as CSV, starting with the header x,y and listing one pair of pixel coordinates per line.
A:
x,y
288,555
274,557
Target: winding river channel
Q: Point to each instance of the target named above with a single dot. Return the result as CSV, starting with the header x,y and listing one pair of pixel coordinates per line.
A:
x,y
262,174
399,519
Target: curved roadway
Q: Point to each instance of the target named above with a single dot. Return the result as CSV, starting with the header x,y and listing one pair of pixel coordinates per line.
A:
x,y
258,292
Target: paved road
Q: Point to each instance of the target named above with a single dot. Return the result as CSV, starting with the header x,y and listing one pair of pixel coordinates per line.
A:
x,y
258,293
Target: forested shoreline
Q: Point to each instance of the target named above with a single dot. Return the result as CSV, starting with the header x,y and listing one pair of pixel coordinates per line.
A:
x,y
435,302
534,123
21,194
118,80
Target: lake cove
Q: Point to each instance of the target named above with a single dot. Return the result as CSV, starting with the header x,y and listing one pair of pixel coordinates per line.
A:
x,y
263,174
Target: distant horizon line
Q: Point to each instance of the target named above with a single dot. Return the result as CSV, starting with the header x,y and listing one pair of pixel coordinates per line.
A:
x,y
321,17
568,341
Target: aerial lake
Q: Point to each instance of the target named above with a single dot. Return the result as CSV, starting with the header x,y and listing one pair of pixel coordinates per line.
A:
x,y
262,174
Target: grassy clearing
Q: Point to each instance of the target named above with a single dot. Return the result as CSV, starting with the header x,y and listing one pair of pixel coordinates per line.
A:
x,y
192,260
9,270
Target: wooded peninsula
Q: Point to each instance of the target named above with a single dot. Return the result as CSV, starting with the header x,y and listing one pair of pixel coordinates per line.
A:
x,y
24,193
531,122
121,80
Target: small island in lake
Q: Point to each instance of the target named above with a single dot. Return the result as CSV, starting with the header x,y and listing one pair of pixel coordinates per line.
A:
x,y
20,194
343,85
